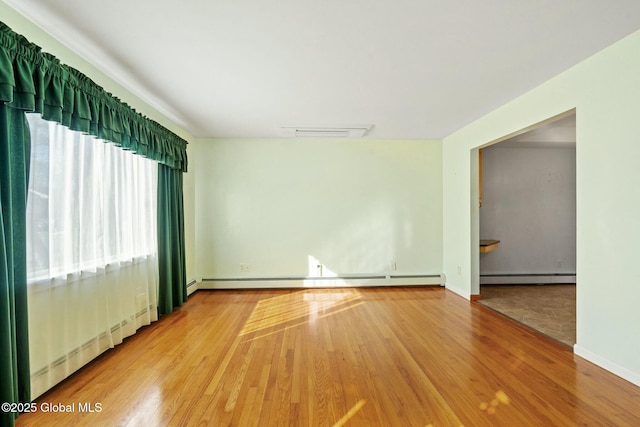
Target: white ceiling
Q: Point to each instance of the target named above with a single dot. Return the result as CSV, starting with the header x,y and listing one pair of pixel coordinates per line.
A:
x,y
412,68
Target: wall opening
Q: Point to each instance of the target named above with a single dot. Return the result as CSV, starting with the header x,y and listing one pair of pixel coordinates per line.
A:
x,y
526,227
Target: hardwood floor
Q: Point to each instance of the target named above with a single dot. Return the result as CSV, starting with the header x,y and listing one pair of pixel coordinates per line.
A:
x,y
333,357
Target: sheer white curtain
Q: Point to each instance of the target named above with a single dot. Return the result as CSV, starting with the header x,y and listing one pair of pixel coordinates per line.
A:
x,y
91,244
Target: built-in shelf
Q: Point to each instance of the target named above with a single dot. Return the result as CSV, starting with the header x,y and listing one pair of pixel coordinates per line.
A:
x,y
488,245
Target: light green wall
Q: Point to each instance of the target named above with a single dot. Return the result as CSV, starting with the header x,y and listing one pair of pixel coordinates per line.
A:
x,y
605,91
48,44
355,206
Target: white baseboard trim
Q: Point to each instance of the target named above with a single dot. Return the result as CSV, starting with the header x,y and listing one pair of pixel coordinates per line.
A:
x,y
526,279
460,292
319,282
614,368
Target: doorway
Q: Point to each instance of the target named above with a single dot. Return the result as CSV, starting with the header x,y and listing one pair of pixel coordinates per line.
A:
x,y
528,187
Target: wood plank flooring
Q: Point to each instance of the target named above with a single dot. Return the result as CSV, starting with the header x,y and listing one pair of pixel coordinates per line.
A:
x,y
419,356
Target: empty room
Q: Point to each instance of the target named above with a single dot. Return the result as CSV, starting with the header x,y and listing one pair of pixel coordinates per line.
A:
x,y
268,213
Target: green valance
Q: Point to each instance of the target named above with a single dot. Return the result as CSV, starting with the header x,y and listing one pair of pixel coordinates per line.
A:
x,y
33,80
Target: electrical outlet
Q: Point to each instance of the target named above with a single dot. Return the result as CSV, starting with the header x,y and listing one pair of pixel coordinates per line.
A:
x,y
244,267
459,271
393,266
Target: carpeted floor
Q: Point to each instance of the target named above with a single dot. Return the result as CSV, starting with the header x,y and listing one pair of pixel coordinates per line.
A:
x,y
550,309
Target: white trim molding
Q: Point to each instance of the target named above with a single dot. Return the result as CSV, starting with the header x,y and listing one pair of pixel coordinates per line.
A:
x,y
614,368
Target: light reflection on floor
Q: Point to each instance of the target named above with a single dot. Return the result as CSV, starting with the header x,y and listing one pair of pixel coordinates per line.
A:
x,y
299,307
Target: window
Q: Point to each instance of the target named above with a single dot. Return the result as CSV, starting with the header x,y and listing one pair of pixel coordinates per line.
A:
x,y
92,264
90,203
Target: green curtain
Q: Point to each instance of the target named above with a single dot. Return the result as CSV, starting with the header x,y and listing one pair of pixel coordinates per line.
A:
x,y
14,339
35,81
171,259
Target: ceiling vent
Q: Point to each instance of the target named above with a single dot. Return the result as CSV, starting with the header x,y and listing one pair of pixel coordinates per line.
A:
x,y
351,131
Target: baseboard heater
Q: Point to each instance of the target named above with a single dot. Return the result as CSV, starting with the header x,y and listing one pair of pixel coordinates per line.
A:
x,y
61,368
321,281
192,286
527,278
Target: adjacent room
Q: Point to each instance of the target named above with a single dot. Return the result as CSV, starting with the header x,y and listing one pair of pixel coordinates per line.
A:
x,y
528,203
299,213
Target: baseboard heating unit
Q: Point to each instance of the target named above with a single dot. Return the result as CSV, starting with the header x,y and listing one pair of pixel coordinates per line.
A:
x,y
62,367
321,282
527,279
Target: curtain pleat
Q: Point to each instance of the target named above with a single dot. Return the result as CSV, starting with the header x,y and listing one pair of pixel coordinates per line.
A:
x,y
14,337
171,259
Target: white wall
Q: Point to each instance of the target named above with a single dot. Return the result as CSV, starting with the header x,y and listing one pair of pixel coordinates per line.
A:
x,y
605,91
355,206
529,204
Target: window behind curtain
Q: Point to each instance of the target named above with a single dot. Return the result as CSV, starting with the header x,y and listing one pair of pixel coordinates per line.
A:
x,y
90,203
91,249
